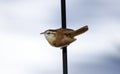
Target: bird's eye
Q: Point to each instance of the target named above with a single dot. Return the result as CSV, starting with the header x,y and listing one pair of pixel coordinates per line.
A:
x,y
48,33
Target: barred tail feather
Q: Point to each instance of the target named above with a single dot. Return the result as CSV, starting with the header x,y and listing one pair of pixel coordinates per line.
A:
x,y
80,31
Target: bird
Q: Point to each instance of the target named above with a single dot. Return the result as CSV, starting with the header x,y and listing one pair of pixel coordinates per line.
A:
x,y
63,37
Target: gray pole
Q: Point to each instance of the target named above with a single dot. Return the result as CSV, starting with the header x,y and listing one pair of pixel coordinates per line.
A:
x,y
64,50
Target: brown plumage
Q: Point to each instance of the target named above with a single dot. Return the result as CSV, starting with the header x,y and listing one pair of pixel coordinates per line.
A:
x,y
63,37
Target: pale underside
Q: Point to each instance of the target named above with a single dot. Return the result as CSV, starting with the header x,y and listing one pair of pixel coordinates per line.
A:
x,y
62,39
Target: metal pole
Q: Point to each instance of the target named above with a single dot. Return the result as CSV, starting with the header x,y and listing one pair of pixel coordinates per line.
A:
x,y
64,50
63,13
64,54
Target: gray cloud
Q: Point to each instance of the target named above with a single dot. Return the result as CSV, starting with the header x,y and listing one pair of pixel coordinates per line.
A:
x,y
90,10
21,22
109,65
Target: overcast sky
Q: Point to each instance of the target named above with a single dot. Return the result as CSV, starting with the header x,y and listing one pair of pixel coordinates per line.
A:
x,y
24,51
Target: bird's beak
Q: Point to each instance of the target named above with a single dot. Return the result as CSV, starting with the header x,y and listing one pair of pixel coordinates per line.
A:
x,y
42,33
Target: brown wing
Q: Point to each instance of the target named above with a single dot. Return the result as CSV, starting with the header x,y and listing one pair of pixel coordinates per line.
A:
x,y
69,32
63,38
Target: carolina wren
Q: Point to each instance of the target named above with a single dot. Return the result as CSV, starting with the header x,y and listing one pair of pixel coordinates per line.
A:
x,y
62,37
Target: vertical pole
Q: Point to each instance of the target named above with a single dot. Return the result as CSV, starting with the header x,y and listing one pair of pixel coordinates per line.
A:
x,y
63,13
64,50
64,54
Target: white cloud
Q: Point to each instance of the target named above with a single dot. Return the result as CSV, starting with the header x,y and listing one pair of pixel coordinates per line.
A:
x,y
24,51
21,16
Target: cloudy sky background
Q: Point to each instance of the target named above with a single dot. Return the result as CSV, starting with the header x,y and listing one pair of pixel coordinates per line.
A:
x,y
24,51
